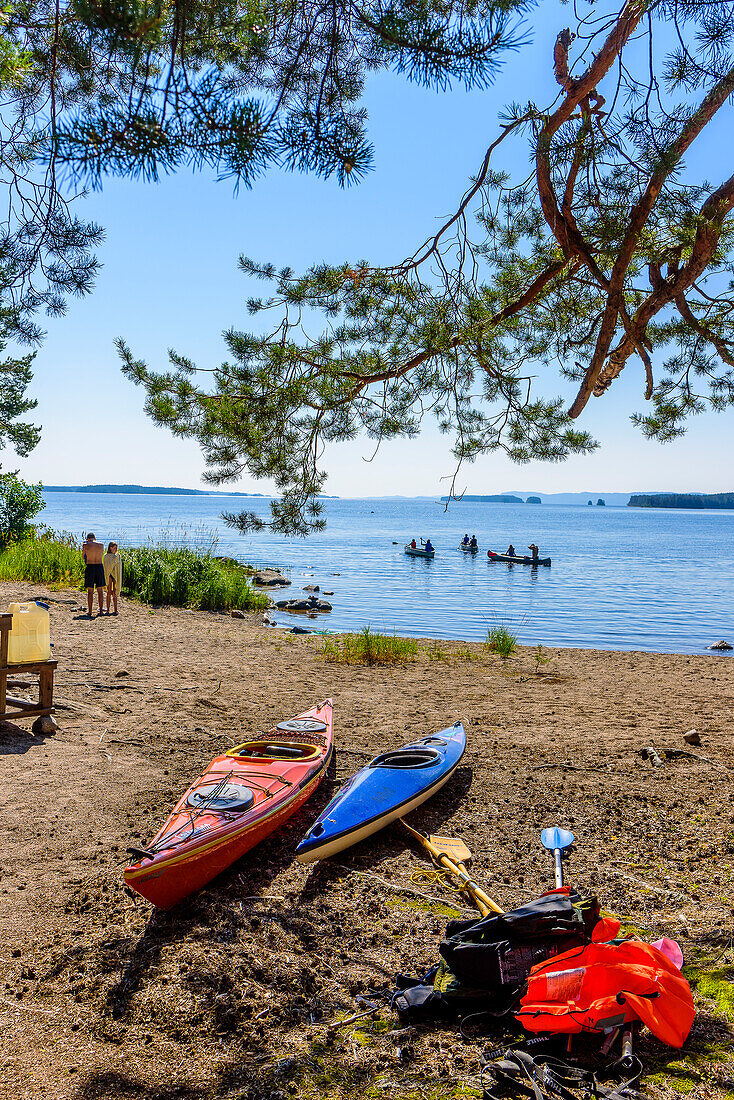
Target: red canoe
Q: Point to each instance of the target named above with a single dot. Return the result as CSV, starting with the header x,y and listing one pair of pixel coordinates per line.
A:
x,y
242,797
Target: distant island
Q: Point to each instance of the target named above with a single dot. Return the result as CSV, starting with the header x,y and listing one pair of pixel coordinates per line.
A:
x,y
682,500
148,490
502,499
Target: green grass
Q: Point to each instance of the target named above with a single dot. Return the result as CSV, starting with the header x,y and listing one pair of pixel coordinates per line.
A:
x,y
368,648
173,576
186,578
501,641
54,560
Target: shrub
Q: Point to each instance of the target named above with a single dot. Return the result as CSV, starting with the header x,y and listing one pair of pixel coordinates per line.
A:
x,y
20,503
501,641
186,578
368,648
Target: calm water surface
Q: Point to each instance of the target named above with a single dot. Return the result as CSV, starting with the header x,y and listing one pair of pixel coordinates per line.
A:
x,y
622,578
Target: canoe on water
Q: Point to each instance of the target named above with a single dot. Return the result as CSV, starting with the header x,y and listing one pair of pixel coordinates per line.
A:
x,y
517,560
243,796
468,549
391,785
417,552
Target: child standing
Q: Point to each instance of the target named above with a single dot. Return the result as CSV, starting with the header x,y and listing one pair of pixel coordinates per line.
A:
x,y
113,574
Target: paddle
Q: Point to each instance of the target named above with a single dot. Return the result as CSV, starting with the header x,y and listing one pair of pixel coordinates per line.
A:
x,y
557,841
444,854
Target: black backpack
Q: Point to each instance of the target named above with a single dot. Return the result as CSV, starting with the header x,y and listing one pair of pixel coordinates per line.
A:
x,y
484,963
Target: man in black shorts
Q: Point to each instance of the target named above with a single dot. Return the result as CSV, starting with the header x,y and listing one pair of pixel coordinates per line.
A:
x,y
93,554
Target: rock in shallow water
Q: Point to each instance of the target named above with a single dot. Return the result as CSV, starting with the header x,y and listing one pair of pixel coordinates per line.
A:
x,y
720,645
270,578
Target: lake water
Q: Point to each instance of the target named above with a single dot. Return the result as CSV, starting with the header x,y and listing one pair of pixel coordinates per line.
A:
x,y
621,578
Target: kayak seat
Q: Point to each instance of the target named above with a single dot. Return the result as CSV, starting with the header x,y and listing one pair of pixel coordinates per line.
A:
x,y
278,750
214,796
408,757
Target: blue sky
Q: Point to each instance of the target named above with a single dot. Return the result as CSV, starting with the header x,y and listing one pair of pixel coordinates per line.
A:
x,y
169,279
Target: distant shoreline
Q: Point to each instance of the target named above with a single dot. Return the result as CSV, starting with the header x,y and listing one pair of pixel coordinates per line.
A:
x,y
156,490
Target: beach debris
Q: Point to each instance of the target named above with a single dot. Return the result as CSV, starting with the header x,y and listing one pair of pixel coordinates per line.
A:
x,y
237,614
122,672
45,725
270,578
693,737
299,630
720,645
649,753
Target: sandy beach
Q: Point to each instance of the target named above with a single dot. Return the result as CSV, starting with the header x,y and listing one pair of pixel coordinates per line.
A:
x,y
231,993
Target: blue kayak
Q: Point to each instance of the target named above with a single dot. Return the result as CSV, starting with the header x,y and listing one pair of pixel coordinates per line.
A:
x,y
392,784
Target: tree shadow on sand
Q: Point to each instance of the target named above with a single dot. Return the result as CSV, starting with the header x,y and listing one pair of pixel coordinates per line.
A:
x,y
218,903
388,842
112,1085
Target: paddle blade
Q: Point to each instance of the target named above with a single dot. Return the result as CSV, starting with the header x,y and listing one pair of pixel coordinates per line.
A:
x,y
454,849
556,838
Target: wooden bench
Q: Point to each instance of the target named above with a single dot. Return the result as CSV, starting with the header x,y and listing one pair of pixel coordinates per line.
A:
x,y
11,707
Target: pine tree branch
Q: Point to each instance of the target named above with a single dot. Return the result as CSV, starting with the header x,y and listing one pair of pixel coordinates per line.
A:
x,y
666,291
639,216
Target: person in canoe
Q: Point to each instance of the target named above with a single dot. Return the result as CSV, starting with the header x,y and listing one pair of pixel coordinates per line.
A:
x,y
474,545
510,551
465,540
429,545
534,551
413,544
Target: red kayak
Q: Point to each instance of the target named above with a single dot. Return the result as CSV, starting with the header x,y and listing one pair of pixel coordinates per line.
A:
x,y
242,797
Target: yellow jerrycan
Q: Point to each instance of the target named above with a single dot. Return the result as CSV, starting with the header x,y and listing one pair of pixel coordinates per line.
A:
x,y
29,640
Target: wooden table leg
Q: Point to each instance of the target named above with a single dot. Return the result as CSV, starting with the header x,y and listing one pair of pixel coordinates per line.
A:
x,y
46,689
3,690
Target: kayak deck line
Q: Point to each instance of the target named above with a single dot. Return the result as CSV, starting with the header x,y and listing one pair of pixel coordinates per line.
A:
x,y
244,795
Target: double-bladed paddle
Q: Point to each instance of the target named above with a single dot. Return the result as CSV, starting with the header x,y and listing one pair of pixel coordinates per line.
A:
x,y
557,841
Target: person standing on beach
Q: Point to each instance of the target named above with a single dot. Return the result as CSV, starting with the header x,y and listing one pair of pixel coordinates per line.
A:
x,y
93,553
113,574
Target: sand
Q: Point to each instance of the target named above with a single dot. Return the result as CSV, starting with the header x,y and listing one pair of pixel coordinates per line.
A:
x,y
231,994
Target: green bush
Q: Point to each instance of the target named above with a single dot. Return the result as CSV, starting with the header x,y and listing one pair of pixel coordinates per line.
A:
x,y
501,641
154,574
367,648
20,503
181,577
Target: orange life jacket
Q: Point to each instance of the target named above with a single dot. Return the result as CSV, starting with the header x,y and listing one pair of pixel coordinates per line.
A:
x,y
604,985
